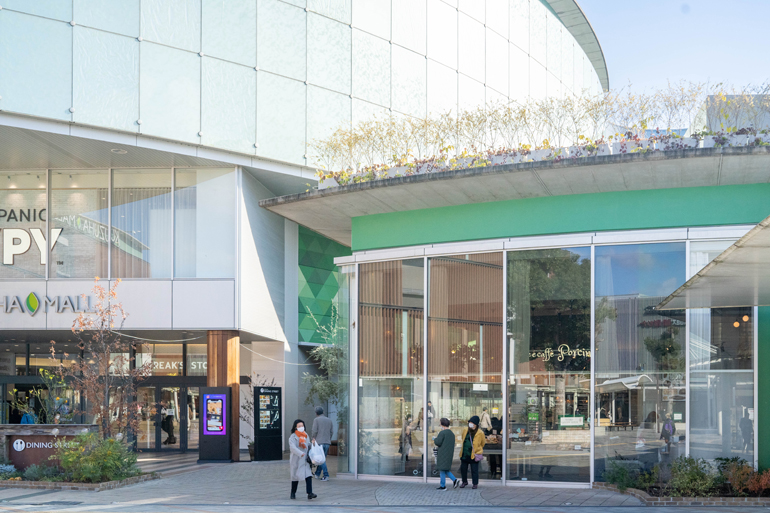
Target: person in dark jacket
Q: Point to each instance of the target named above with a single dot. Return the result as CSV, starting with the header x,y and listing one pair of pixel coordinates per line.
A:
x,y
445,442
472,452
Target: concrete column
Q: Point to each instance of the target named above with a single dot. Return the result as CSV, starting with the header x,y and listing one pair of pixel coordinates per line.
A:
x,y
291,354
223,351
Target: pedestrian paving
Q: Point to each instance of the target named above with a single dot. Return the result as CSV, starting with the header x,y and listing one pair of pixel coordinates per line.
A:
x,y
267,484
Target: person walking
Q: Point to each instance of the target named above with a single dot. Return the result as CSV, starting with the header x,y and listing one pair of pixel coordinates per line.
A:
x,y
472,451
323,430
405,442
299,444
445,442
667,432
747,431
431,415
486,422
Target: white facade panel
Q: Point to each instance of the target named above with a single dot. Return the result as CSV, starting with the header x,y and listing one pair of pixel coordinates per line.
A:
x,y
204,304
147,303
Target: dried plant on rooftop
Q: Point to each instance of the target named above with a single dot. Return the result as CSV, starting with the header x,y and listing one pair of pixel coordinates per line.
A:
x,y
367,150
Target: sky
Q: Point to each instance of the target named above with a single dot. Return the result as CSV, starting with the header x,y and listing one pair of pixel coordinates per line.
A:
x,y
646,42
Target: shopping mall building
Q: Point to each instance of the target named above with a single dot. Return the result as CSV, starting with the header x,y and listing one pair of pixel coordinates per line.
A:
x,y
137,140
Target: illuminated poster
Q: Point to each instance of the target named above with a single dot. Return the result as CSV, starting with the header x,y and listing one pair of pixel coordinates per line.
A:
x,y
269,408
214,409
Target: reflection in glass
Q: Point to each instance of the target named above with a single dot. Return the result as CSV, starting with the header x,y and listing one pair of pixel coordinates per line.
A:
x,y
79,210
639,356
390,368
22,223
145,402
465,352
721,372
193,417
170,417
197,358
164,359
204,236
141,223
549,341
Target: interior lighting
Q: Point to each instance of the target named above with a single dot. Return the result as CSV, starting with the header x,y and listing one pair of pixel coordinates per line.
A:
x,y
745,318
736,324
118,151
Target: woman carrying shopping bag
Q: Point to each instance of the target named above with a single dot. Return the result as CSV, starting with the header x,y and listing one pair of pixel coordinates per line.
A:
x,y
445,442
472,453
299,444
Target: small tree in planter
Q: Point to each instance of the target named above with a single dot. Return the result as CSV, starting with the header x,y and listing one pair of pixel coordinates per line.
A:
x,y
331,358
105,377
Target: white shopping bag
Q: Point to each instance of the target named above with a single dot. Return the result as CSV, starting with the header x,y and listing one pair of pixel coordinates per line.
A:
x,y
316,454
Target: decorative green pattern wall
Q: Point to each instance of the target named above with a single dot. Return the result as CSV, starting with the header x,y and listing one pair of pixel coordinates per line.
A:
x,y
318,281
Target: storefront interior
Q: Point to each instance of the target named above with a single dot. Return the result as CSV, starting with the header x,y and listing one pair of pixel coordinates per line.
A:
x,y
594,375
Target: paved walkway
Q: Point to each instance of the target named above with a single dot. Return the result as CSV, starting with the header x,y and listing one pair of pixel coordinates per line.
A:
x,y
186,485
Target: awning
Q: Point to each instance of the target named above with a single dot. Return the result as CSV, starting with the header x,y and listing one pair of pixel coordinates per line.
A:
x,y
740,276
623,384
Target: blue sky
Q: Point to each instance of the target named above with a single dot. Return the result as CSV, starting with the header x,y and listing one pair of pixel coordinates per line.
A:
x,y
647,41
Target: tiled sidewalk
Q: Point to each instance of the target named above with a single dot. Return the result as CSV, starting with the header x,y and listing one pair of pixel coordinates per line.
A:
x,y
267,483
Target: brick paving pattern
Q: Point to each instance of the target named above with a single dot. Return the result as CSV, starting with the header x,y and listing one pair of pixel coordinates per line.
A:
x,y
267,483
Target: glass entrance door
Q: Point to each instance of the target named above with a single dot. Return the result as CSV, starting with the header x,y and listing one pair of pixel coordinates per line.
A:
x,y
169,418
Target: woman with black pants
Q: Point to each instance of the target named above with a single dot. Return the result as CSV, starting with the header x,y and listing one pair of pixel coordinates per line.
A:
x,y
299,444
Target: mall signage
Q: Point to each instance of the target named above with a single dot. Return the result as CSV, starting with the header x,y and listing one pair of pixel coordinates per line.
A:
x,y
55,304
17,241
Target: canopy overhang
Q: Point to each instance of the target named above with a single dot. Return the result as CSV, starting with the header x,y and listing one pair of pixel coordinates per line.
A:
x,y
739,276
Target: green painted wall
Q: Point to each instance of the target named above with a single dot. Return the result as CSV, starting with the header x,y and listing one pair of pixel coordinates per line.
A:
x,y
662,208
763,387
318,281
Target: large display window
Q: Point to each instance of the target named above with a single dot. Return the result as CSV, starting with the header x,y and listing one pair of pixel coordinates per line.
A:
x,y
390,391
465,353
561,353
79,208
23,214
721,370
549,349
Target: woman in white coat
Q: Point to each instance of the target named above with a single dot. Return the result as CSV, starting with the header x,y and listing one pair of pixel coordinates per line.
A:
x,y
299,444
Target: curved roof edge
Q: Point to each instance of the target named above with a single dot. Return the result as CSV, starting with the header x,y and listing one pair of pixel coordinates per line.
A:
x,y
330,211
573,17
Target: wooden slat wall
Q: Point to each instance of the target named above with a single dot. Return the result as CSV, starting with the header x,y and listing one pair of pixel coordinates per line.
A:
x,y
465,295
223,352
381,323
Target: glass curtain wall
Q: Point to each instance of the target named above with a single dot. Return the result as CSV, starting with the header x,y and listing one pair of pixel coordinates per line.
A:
x,y
721,373
23,224
465,353
549,350
141,223
639,352
390,367
79,208
204,210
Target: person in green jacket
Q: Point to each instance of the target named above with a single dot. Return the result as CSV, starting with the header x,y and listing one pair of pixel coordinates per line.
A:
x,y
445,442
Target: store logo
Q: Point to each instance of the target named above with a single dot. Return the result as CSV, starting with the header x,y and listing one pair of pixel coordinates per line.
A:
x,y
18,445
57,304
560,353
17,242
33,303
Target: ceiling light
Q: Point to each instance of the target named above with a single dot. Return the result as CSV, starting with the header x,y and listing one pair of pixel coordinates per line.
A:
x,y
745,318
118,151
736,324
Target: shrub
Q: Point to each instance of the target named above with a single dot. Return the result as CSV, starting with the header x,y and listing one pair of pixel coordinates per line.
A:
x,y
7,470
739,474
41,473
92,459
759,482
648,479
619,475
692,477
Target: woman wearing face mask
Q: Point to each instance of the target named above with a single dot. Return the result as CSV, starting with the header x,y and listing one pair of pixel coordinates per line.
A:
x,y
472,452
299,443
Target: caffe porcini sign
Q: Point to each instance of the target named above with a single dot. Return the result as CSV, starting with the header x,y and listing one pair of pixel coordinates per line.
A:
x,y
560,353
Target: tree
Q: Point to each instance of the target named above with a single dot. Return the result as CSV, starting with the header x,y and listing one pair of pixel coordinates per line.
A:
x,y
331,358
106,376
